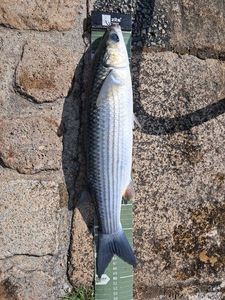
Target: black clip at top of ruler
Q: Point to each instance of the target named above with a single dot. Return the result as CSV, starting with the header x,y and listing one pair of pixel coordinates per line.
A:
x,y
101,20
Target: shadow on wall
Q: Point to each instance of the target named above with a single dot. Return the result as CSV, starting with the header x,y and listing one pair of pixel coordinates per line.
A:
x,y
73,121
72,128
69,129
142,24
158,126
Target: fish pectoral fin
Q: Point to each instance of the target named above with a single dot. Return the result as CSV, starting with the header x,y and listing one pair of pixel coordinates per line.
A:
x,y
117,79
129,192
104,91
109,87
136,121
101,98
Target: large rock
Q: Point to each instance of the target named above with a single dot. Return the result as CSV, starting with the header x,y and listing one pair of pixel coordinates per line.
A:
x,y
198,25
45,72
30,145
34,239
14,101
26,278
179,175
35,214
39,15
186,82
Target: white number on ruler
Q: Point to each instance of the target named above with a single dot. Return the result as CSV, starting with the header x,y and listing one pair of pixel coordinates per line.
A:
x,y
103,280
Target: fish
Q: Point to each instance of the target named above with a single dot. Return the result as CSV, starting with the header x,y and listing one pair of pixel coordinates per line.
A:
x,y
110,140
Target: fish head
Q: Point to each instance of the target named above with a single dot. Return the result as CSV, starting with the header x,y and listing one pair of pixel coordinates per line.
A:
x,y
116,53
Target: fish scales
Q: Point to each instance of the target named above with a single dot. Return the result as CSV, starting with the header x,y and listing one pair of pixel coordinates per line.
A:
x,y
110,162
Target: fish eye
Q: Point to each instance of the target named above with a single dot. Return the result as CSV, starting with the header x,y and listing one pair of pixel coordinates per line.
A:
x,y
114,37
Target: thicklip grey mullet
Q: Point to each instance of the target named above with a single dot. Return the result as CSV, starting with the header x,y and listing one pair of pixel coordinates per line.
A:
x,y
110,138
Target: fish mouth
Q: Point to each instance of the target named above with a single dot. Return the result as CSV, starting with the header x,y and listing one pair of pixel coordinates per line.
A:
x,y
116,25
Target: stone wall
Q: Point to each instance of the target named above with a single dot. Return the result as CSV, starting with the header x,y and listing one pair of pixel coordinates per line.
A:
x,y
41,48
179,173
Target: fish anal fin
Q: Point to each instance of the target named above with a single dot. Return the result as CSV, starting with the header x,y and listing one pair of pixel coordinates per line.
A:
x,y
129,192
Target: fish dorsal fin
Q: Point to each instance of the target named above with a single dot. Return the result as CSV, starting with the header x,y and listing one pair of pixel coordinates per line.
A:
x,y
111,82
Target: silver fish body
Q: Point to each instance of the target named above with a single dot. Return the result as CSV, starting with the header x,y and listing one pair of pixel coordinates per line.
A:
x,y
110,141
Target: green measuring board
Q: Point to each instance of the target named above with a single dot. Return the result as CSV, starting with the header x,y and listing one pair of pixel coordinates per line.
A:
x,y
117,282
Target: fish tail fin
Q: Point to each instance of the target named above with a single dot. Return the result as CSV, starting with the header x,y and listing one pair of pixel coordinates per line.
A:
x,y
110,244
